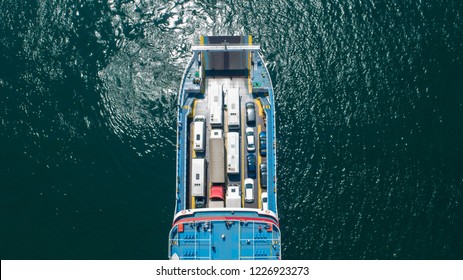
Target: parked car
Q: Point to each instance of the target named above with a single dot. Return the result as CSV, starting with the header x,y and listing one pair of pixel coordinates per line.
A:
x,y
264,198
250,113
249,190
251,146
263,175
251,160
263,144
200,202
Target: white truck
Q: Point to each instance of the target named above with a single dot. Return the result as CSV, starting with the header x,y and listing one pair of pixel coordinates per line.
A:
x,y
233,108
216,106
233,153
233,198
216,157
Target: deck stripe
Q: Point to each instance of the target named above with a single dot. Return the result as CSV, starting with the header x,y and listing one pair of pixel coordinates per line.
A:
x,y
227,218
249,66
203,69
243,190
259,159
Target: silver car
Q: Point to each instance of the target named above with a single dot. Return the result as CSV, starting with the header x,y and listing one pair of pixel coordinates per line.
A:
x,y
250,113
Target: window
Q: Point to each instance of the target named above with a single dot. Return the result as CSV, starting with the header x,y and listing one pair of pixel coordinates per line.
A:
x,y
198,137
197,176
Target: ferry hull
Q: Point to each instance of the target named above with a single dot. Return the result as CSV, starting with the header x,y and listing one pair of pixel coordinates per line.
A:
x,y
226,208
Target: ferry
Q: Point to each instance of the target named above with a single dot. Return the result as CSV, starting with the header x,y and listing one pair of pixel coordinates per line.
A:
x,y
226,187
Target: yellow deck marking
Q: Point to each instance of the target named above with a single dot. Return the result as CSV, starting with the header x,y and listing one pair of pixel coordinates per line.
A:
x,y
259,160
203,69
259,108
249,66
243,190
190,115
209,189
193,153
194,107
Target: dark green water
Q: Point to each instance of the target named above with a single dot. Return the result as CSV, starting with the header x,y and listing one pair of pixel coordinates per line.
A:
x,y
369,112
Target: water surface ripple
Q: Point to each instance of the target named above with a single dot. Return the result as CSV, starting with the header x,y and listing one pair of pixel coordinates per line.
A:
x,y
369,113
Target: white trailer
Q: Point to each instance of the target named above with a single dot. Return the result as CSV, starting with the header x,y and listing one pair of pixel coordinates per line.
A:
x,y
233,152
216,106
233,108
198,178
233,198
199,131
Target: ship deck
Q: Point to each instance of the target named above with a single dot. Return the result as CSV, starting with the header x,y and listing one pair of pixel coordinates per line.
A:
x,y
241,235
207,233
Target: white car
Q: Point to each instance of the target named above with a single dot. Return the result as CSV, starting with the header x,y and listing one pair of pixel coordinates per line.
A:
x,y
264,198
251,145
249,190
